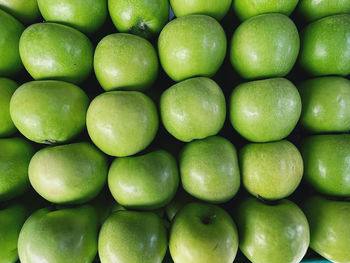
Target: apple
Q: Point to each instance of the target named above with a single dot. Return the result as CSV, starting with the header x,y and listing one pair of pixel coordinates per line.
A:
x,y
329,228
7,88
131,236
193,45
49,111
147,181
122,123
245,9
325,46
10,33
272,233
203,233
125,61
56,236
145,18
209,169
85,15
181,199
265,110
68,174
56,52
326,104
326,161
216,9
26,11
15,156
271,170
265,46
193,109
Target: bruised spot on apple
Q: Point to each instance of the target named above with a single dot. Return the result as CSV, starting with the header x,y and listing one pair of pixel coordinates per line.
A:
x,y
7,88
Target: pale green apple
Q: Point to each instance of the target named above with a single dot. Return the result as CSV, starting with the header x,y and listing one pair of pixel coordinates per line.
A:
x,y
265,46
145,18
181,199
325,46
68,174
203,233
193,109
132,237
193,45
26,11
122,123
59,236
125,61
15,155
56,52
7,88
265,110
272,233
327,163
49,111
326,104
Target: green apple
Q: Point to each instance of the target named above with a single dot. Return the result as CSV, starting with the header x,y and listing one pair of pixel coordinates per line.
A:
x,y
216,9
68,174
125,61
265,46
122,123
49,111
193,109
7,88
132,237
209,169
325,46
56,52
327,163
193,45
15,155
329,228
181,199
59,236
271,170
272,233
326,104
147,181
10,33
145,18
26,11
203,233
85,15
245,9
269,119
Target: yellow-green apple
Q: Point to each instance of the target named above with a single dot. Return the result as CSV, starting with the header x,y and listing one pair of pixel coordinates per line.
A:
x,y
26,11
181,199
7,88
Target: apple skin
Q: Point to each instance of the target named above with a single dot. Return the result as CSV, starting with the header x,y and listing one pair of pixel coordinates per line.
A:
x,y
193,45
329,228
272,233
7,88
56,52
15,156
147,181
326,163
144,18
203,233
114,119
131,236
209,169
10,32
26,11
325,46
68,174
181,199
326,104
85,15
49,111
271,170
193,109
61,236
216,9
265,46
276,115
125,61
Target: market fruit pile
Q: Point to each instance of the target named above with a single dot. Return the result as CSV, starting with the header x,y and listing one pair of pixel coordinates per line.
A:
x,y
150,131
